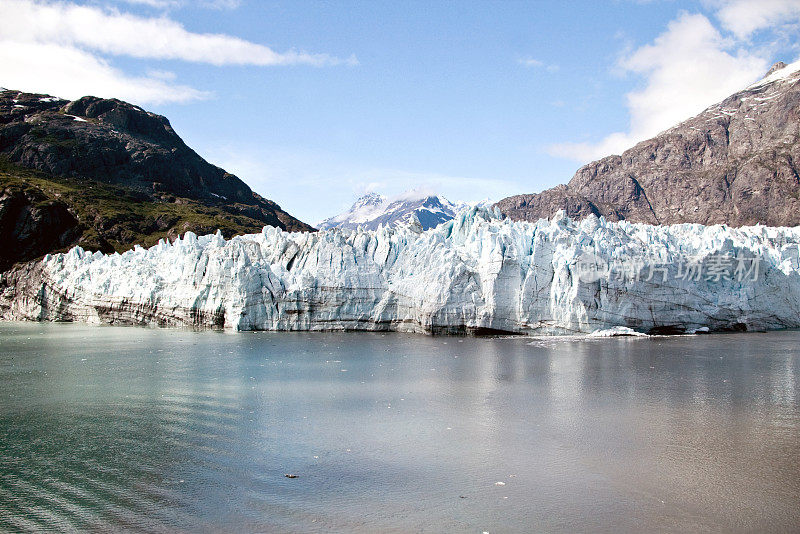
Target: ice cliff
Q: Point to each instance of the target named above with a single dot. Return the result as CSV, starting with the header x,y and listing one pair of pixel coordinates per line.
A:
x,y
476,273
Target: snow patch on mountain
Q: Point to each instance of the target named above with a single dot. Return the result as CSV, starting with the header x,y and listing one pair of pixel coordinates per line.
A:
x,y
373,210
788,72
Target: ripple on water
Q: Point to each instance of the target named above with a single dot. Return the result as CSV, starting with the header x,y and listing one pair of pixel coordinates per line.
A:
x,y
162,433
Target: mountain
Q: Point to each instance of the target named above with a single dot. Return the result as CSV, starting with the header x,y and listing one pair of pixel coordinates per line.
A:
x,y
373,210
475,274
106,175
736,163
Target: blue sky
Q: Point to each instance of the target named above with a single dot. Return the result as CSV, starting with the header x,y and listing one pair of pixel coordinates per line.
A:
x,y
314,103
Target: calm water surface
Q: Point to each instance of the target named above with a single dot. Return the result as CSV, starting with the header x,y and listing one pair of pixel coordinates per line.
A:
x,y
161,430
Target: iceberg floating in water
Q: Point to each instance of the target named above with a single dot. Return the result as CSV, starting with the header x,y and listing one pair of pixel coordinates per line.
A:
x,y
477,273
617,331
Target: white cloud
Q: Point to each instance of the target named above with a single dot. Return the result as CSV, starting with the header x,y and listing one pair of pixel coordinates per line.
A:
x,y
173,4
536,63
744,17
687,68
158,4
116,33
60,48
530,62
165,75
71,73
221,4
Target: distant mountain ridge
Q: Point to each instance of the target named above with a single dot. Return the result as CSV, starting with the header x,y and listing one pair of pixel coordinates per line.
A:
x,y
107,174
373,210
736,163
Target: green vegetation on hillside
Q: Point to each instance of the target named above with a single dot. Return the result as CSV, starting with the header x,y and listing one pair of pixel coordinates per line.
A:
x,y
116,218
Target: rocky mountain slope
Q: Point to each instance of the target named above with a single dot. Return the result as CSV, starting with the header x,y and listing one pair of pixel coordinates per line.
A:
x,y
373,210
736,163
106,174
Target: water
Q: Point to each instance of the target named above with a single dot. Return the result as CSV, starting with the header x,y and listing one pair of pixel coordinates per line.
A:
x,y
107,428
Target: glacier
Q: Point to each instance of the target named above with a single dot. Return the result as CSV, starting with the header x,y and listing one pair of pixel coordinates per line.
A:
x,y
478,273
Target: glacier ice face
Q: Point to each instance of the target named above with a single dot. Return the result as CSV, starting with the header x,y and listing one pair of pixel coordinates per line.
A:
x,y
476,273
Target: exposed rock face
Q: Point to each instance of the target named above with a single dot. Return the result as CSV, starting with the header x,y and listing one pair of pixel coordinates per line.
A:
x,y
31,224
780,65
109,142
476,274
737,163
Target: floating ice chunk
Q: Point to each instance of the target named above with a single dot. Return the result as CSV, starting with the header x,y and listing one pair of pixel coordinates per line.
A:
x,y
701,330
617,331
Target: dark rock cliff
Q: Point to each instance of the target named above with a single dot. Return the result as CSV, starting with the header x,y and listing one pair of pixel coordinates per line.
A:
x,y
107,175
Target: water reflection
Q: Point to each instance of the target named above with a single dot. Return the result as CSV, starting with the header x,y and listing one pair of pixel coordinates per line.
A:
x,y
105,428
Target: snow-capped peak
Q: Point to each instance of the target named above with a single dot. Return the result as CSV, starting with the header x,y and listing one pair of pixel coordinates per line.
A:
x,y
373,210
778,73
370,199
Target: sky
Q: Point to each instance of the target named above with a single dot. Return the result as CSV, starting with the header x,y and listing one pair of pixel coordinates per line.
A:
x,y
313,104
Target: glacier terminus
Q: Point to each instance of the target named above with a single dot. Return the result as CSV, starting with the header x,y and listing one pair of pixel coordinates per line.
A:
x,y
478,273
